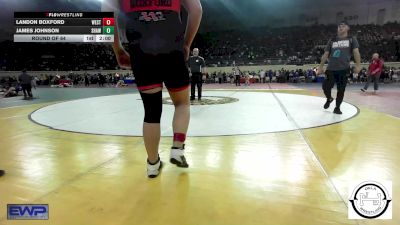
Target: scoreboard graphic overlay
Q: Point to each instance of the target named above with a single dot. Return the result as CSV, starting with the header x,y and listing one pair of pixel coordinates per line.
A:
x,y
64,27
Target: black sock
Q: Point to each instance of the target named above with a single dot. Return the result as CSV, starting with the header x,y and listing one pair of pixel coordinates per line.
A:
x,y
158,160
180,148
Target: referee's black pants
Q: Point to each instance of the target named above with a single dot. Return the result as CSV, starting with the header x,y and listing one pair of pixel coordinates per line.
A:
x,y
196,80
27,89
340,78
237,80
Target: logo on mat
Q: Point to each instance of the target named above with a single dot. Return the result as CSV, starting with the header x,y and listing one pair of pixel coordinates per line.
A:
x,y
27,212
371,200
207,100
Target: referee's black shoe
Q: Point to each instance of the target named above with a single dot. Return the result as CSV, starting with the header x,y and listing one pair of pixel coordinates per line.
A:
x,y
337,111
328,103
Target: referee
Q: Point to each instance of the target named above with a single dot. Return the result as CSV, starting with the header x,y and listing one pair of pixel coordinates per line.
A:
x,y
237,72
26,84
197,67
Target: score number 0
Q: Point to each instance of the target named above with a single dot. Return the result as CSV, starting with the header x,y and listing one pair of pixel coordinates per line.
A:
x,y
108,21
108,25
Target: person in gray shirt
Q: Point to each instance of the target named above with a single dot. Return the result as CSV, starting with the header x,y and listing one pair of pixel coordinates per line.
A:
x,y
25,81
339,51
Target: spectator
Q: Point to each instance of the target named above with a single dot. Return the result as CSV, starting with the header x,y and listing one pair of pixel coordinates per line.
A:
x,y
262,76
374,72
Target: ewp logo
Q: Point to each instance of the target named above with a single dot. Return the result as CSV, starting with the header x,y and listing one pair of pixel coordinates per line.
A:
x,y
27,212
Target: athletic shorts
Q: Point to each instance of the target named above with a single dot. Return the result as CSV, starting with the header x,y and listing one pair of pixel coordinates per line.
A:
x,y
151,71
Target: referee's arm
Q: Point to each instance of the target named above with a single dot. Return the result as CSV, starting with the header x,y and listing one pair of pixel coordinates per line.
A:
x,y
203,66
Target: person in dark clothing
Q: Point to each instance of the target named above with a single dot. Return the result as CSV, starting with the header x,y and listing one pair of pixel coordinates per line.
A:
x,y
101,80
339,51
197,67
2,172
270,75
87,82
220,77
25,81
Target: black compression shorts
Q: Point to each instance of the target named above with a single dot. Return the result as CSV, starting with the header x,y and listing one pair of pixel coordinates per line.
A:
x,y
152,71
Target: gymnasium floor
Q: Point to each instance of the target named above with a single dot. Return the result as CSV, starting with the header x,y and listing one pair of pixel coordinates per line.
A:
x,y
289,162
